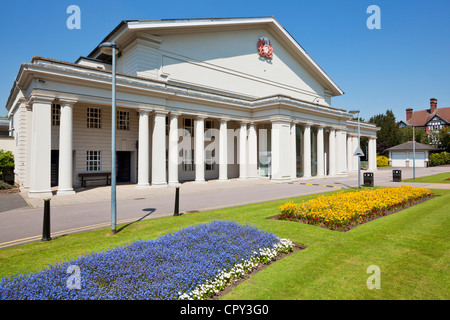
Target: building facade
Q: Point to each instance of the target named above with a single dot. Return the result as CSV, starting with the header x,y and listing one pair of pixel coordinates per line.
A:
x,y
197,100
431,120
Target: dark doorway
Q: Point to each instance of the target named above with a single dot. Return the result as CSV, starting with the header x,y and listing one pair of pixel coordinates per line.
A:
x,y
123,166
54,168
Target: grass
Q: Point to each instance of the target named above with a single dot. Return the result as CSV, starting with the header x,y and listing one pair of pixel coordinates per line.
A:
x,y
410,247
437,178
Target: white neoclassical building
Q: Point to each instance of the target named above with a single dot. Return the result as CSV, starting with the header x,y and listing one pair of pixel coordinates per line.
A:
x,y
197,100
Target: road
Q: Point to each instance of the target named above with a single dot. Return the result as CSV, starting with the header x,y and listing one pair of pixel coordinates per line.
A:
x,y
24,224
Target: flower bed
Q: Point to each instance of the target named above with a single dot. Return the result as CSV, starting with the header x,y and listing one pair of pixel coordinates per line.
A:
x,y
193,263
343,210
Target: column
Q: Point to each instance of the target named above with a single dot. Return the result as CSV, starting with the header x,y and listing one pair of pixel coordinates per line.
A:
x,y
159,149
41,147
349,153
173,150
320,153
355,158
199,149
65,174
243,151
332,152
372,156
223,151
252,152
374,153
307,152
293,148
144,150
280,167
343,151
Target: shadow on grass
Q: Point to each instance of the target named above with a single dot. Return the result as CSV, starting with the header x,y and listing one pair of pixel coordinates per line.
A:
x,y
149,210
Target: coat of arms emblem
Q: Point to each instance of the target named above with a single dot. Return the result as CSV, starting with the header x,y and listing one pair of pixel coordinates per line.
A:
x,y
265,48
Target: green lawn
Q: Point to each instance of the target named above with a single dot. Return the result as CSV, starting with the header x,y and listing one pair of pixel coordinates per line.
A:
x,y
410,247
437,178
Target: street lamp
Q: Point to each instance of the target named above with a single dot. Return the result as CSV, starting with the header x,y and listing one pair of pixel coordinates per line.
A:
x,y
111,49
414,151
358,151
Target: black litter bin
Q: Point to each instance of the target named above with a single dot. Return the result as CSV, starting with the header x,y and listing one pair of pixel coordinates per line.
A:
x,y
368,179
397,175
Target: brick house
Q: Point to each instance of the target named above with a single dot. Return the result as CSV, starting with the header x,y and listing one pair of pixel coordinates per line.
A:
x,y
431,120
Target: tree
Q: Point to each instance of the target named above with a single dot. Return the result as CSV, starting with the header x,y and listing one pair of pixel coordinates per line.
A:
x,y
388,135
420,135
443,139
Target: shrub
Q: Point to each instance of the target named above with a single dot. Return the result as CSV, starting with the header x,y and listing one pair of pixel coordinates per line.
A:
x,y
178,265
438,159
6,161
382,161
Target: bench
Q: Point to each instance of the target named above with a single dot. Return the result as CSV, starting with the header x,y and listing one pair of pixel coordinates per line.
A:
x,y
95,176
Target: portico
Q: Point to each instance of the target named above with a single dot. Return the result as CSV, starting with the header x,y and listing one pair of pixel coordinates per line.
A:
x,y
191,116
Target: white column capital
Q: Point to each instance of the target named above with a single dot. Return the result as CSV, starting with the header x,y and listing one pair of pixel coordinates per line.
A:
x,y
200,116
144,111
174,113
160,112
65,101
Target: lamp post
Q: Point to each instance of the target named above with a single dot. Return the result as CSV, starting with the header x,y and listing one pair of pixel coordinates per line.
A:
x,y
111,48
359,143
414,151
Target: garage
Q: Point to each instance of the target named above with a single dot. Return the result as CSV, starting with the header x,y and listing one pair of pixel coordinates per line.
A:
x,y
404,155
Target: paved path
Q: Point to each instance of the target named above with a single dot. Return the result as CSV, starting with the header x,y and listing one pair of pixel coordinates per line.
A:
x,y
89,208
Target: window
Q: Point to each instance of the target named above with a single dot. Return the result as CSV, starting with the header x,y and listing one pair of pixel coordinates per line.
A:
x,y
94,118
209,125
209,160
93,161
123,120
436,124
188,156
56,114
188,125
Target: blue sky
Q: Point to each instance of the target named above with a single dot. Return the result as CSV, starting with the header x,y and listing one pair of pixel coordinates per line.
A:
x,y
401,65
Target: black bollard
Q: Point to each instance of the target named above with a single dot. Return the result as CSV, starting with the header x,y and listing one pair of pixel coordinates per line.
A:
x,y
46,225
177,202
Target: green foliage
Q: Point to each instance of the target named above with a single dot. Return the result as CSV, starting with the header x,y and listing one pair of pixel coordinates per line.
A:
x,y
420,135
6,161
382,161
388,135
443,138
438,159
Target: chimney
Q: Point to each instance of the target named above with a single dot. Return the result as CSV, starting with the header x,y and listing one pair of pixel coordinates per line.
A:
x,y
409,113
433,105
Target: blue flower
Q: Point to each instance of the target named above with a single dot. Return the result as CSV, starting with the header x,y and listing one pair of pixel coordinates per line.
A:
x,y
163,268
